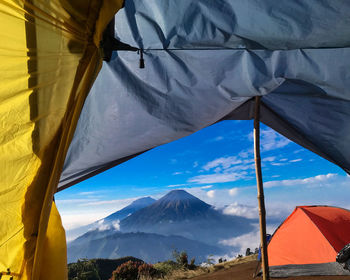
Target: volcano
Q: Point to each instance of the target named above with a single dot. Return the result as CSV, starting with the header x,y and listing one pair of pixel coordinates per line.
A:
x,y
181,213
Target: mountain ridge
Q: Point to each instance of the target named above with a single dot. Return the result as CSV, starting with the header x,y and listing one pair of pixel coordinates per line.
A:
x,y
149,247
181,213
110,219
178,220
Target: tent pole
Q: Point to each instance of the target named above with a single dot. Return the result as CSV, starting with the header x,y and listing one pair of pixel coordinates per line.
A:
x,y
261,199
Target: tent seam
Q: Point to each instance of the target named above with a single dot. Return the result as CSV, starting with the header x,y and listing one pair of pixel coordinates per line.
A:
x,y
318,229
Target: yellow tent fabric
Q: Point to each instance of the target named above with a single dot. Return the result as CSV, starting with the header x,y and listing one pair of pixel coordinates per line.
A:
x,y
54,260
49,58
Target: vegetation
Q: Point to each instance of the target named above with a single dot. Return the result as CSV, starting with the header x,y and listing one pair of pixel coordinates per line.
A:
x,y
134,269
165,268
96,269
248,252
83,270
147,272
210,260
126,271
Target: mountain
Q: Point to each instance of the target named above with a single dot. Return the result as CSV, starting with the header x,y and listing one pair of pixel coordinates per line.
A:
x,y
130,209
177,205
149,247
112,219
181,213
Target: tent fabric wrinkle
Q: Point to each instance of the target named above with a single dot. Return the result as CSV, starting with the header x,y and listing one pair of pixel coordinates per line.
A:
x,y
205,59
49,59
250,24
180,88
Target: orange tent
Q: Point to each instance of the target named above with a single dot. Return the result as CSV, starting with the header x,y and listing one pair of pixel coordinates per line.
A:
x,y
307,242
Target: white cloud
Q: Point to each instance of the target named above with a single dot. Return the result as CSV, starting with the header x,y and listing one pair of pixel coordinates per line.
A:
x,y
177,185
87,193
217,169
233,192
101,225
250,240
105,202
207,187
270,139
71,221
225,169
116,224
236,209
278,163
279,202
211,194
195,164
219,138
76,214
227,257
245,153
77,201
217,178
296,160
177,173
246,166
269,159
224,162
311,181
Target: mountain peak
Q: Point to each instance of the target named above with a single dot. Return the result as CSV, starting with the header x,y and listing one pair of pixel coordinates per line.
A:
x,y
178,195
147,200
181,201
175,206
184,214
131,208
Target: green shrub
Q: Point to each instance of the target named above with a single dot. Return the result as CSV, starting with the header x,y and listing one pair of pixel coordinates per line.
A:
x,y
96,269
181,258
191,264
107,266
126,271
146,271
83,270
166,267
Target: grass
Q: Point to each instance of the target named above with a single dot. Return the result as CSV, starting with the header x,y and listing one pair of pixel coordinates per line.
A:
x,y
168,270
172,271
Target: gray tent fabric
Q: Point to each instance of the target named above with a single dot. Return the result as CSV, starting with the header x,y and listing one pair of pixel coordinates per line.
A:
x,y
205,61
317,269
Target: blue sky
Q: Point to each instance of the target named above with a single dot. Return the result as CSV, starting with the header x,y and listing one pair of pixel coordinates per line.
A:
x,y
217,165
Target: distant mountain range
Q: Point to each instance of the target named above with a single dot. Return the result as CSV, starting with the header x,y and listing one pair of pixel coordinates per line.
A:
x,y
151,230
181,213
130,209
149,247
110,220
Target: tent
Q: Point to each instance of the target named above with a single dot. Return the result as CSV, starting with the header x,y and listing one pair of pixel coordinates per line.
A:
x,y
308,241
205,61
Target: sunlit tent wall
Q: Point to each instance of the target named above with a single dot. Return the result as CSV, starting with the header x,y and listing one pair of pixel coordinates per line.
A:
x,y
308,241
204,62
49,59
